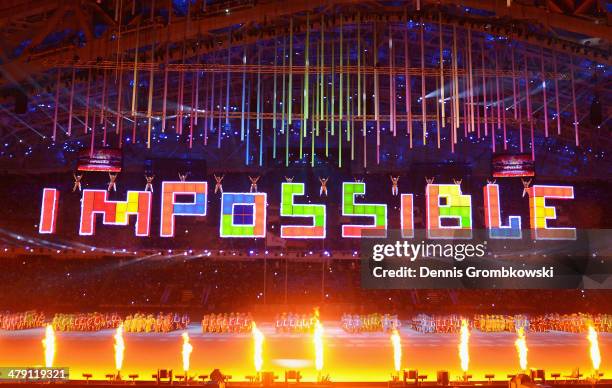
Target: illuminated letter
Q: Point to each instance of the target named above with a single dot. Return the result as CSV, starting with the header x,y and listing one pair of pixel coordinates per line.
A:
x,y
446,203
115,212
493,216
170,208
48,211
350,208
290,209
243,215
407,215
540,213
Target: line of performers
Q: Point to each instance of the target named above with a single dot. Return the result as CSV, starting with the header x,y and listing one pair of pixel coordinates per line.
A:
x,y
424,323
571,323
227,323
112,184
370,323
295,323
160,323
492,323
21,321
85,321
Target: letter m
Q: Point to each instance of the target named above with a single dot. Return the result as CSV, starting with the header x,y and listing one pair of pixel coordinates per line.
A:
x,y
94,202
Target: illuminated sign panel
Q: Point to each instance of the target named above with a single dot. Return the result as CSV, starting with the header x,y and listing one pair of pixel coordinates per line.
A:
x,y
407,215
243,215
171,208
291,209
493,216
446,203
94,202
378,212
540,214
48,211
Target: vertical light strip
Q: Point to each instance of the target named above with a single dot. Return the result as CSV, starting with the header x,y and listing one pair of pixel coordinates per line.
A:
x,y
557,108
135,74
87,95
391,84
258,121
407,86
376,91
441,44
290,99
244,58
484,90
528,103
151,79
228,80
274,98
423,99
571,64
71,103
514,85
56,102
103,107
545,100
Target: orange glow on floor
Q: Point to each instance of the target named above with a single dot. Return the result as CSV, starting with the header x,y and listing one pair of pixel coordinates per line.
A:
x,y
365,357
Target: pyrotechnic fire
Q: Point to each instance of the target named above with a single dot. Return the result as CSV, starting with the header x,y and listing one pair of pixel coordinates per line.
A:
x,y
464,352
49,346
397,350
187,349
521,347
318,342
594,350
258,339
119,348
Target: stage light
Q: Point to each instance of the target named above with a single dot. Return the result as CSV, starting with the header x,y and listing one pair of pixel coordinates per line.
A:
x,y
521,348
318,345
442,377
186,352
538,374
258,339
464,352
594,350
396,341
49,346
119,350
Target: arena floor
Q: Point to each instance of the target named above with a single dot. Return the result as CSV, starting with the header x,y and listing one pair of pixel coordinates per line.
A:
x,y
365,357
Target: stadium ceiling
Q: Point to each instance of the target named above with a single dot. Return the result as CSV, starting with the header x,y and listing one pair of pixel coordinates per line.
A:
x,y
38,35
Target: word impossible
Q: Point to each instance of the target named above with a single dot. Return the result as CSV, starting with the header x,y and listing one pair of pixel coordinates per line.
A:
x,y
243,215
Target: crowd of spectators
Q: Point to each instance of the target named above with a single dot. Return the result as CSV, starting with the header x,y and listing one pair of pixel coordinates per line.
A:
x,y
203,286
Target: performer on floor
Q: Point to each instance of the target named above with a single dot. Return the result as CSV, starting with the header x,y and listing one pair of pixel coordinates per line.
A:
x,y
253,188
112,185
149,185
77,182
323,189
394,189
218,185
